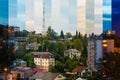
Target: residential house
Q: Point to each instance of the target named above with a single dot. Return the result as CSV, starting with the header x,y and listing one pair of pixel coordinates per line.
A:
x,y
44,60
15,28
20,62
47,76
72,53
32,46
21,39
82,71
21,72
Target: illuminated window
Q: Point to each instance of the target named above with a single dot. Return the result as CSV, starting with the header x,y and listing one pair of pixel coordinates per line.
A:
x,y
105,45
104,41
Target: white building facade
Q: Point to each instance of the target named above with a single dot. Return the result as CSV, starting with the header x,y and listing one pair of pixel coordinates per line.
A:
x,y
44,60
71,53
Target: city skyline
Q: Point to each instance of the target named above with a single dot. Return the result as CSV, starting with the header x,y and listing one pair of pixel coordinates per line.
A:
x,y
86,16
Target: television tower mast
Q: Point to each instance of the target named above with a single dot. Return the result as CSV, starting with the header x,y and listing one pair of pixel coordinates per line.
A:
x,y
43,25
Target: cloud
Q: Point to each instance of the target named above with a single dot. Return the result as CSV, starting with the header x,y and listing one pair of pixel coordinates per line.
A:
x,y
107,19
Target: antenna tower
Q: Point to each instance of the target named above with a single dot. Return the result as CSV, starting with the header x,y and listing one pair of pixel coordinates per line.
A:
x,y
43,26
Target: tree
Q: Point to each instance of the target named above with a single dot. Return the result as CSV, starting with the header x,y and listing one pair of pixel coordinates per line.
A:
x,y
51,34
80,36
76,34
111,66
60,46
77,43
62,34
30,59
68,35
59,66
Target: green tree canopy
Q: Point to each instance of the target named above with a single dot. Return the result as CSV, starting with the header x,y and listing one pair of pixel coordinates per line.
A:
x,y
51,34
68,35
77,43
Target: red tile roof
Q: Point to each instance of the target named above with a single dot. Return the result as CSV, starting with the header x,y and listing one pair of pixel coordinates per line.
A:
x,y
42,54
79,69
37,69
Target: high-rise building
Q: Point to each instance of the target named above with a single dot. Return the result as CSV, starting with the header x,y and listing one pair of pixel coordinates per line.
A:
x,y
91,54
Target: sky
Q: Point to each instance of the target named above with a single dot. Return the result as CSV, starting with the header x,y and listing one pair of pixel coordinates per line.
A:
x,y
107,15
116,16
4,12
85,16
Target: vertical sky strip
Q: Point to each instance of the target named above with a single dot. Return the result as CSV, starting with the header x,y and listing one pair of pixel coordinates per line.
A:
x,y
116,16
107,15
4,12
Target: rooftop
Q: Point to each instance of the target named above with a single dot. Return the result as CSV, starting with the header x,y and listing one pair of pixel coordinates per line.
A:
x,y
79,69
42,54
45,75
72,50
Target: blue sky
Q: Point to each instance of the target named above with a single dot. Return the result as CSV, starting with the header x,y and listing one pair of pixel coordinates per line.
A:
x,y
107,11
60,14
4,12
116,16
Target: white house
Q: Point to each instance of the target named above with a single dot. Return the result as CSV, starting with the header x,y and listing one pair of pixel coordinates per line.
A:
x,y
72,52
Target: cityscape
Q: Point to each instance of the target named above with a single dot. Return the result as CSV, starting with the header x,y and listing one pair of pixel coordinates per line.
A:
x,y
59,40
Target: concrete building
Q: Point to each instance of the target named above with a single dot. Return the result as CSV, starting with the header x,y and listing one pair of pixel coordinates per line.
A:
x,y
107,45
44,60
97,49
72,53
91,54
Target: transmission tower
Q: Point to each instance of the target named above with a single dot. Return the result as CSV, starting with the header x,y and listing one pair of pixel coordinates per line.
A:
x,y
43,25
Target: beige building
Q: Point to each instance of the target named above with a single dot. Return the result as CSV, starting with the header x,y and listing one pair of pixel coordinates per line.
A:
x,y
108,45
72,52
44,60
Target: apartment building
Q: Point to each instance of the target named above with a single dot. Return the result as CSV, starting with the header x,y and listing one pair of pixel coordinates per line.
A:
x,y
44,60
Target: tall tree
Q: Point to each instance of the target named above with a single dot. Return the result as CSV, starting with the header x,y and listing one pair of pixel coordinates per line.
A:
x,y
77,43
76,33
62,34
51,34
